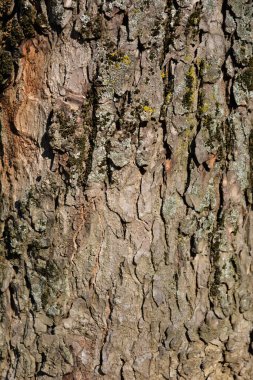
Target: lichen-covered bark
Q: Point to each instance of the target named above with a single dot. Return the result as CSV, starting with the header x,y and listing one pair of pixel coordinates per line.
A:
x,y
126,158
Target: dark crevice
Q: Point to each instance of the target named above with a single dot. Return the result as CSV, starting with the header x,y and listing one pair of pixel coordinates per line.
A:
x,y
129,98
190,160
193,249
124,226
206,167
13,129
45,141
11,254
250,350
229,81
192,150
51,329
140,48
94,128
172,22
167,148
126,24
118,124
6,17
250,176
121,370
52,16
142,169
118,38
109,319
175,4
111,167
143,124
29,287
18,207
1,144
13,288
226,7
40,372
220,210
232,103
56,202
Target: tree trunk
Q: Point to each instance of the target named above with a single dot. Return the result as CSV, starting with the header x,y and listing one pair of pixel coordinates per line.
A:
x,y
126,159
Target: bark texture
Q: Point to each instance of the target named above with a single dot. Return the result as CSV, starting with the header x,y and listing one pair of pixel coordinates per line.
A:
x,y
126,159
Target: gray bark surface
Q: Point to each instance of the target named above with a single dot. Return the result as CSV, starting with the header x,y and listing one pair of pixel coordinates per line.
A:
x,y
126,157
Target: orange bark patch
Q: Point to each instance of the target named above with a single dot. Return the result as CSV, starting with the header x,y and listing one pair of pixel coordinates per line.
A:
x,y
21,103
168,165
211,161
32,66
23,116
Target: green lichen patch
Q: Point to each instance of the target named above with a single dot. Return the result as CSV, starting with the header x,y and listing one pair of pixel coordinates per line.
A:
x,y
214,289
202,66
6,68
192,26
72,133
13,34
203,106
247,77
5,7
118,57
67,123
91,28
27,19
78,158
168,80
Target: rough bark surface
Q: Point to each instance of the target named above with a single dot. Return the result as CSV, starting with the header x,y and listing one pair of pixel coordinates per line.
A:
x,y
126,159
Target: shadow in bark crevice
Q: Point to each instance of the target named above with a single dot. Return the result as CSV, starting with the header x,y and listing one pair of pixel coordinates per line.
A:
x,y
45,142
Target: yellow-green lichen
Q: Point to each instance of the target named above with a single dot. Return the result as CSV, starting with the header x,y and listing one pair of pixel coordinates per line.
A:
x,y
126,60
203,66
203,106
191,84
118,58
168,97
148,109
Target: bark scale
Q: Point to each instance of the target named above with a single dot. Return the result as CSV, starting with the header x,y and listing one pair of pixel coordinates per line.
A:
x,y
126,189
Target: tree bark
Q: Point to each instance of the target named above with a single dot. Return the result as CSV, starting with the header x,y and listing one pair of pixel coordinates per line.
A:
x,y
126,159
